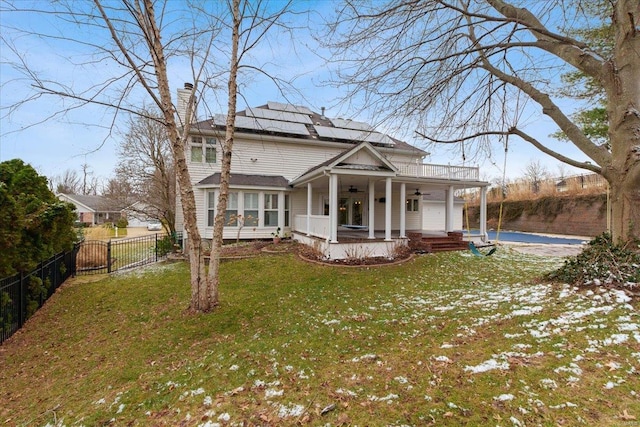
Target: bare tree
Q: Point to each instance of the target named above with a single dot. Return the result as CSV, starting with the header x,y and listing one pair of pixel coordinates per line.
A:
x,y
146,165
120,192
535,173
141,40
466,72
68,182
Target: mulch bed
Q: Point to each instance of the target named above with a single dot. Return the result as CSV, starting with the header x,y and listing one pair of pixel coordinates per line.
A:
x,y
248,249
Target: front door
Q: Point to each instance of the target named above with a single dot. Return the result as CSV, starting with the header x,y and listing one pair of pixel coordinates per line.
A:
x,y
350,210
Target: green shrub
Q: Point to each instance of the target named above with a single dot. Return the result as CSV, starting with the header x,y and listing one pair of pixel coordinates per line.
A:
x,y
601,263
165,245
122,223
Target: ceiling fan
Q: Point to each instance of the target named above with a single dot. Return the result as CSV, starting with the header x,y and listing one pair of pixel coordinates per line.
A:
x,y
353,189
418,193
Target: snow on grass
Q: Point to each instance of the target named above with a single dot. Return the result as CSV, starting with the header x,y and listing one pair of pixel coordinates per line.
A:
x,y
441,324
487,365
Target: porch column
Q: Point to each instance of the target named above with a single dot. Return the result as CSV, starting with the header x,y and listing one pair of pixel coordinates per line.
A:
x,y
483,214
372,209
333,208
448,225
309,206
387,210
403,210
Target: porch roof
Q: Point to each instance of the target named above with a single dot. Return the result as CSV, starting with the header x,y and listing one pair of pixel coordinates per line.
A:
x,y
341,162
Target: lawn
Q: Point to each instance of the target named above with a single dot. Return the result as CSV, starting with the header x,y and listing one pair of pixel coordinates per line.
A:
x,y
447,340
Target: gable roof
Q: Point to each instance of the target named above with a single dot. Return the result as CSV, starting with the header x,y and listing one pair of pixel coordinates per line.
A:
x,y
91,202
300,122
343,161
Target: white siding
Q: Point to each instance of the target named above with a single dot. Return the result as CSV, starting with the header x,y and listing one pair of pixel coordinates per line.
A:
x,y
433,215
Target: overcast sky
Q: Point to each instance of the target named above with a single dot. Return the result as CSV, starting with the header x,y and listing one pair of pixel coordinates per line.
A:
x,y
90,134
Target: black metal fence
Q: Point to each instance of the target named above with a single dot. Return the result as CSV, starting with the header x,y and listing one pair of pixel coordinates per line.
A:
x,y
23,294
97,257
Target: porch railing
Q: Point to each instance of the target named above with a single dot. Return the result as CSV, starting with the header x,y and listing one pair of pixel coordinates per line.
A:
x,y
319,225
425,170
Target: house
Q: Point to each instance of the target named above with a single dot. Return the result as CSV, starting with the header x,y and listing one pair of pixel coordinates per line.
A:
x,y
334,184
140,214
92,210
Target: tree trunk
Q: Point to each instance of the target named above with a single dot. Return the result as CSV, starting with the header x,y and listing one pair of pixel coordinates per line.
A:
x,y
622,84
213,278
194,241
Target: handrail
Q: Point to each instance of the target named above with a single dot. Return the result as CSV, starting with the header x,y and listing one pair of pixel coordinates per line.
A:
x,y
426,170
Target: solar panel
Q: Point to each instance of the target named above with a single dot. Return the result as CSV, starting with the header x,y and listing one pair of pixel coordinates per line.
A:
x,y
259,124
279,115
288,107
353,135
351,124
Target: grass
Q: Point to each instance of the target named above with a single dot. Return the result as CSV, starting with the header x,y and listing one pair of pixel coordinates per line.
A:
x,y
303,344
103,232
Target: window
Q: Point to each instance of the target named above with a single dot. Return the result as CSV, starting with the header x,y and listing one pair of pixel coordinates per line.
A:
x,y
200,152
413,205
251,207
210,150
270,210
196,149
211,207
231,215
286,210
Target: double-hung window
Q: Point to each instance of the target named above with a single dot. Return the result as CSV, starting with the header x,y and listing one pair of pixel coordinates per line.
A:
x,y
231,215
203,150
286,210
196,149
210,150
270,209
211,207
251,209
413,205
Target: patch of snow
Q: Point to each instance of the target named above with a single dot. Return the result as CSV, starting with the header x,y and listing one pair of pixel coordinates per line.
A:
x,y
504,397
292,410
388,397
272,392
487,365
548,383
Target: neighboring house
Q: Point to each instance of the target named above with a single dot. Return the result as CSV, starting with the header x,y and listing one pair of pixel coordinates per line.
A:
x,y
322,181
139,214
92,210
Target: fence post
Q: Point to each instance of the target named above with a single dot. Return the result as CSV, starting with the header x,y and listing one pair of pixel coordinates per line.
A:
x,y
23,301
156,247
109,256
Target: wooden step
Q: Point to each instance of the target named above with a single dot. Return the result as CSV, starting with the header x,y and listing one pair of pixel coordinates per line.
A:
x,y
452,242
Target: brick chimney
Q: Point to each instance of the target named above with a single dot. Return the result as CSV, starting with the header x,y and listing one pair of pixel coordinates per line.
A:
x,y
183,102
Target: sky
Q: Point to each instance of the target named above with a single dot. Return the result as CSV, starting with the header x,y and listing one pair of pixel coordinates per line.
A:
x,y
35,132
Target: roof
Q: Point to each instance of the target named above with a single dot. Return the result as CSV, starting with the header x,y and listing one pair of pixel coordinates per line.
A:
x,y
95,203
341,161
243,179
300,122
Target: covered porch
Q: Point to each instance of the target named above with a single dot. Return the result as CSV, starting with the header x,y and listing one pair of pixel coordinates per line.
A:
x,y
360,203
